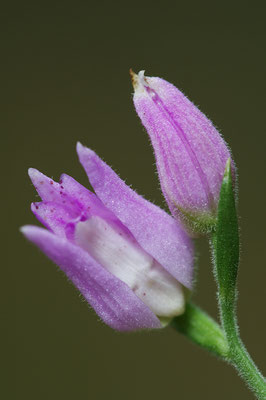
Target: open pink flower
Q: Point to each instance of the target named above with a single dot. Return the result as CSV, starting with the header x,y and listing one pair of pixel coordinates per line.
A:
x,y
129,259
190,153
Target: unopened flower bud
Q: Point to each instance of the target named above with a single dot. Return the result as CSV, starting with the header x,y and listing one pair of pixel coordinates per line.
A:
x,y
190,153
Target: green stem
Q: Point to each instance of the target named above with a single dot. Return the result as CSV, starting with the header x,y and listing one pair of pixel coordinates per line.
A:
x,y
199,327
238,355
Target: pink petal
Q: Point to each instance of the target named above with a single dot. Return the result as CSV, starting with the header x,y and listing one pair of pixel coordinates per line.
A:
x,y
112,299
158,233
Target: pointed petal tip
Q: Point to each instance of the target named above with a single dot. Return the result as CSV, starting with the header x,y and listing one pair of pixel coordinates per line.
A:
x,y
79,146
33,233
84,151
26,230
23,228
34,175
32,172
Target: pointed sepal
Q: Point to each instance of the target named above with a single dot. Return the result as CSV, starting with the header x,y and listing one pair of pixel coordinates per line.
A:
x,y
226,243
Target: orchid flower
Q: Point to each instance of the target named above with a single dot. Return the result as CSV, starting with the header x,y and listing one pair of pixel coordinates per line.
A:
x,y
130,259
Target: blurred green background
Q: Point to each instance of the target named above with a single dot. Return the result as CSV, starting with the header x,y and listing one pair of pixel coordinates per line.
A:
x,y
65,78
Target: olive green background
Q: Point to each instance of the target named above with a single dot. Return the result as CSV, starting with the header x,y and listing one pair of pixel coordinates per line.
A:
x,y
65,78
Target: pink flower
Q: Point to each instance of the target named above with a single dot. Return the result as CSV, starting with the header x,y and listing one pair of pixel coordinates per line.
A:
x,y
190,153
129,259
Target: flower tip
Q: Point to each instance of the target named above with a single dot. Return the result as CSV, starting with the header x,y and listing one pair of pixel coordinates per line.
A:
x,y
25,229
79,147
138,80
34,175
31,172
86,156
83,150
34,233
22,228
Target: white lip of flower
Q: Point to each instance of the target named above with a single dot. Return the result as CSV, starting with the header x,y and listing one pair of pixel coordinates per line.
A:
x,y
121,255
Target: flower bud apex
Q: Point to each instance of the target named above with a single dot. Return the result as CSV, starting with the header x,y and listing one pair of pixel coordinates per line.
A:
x,y
190,153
